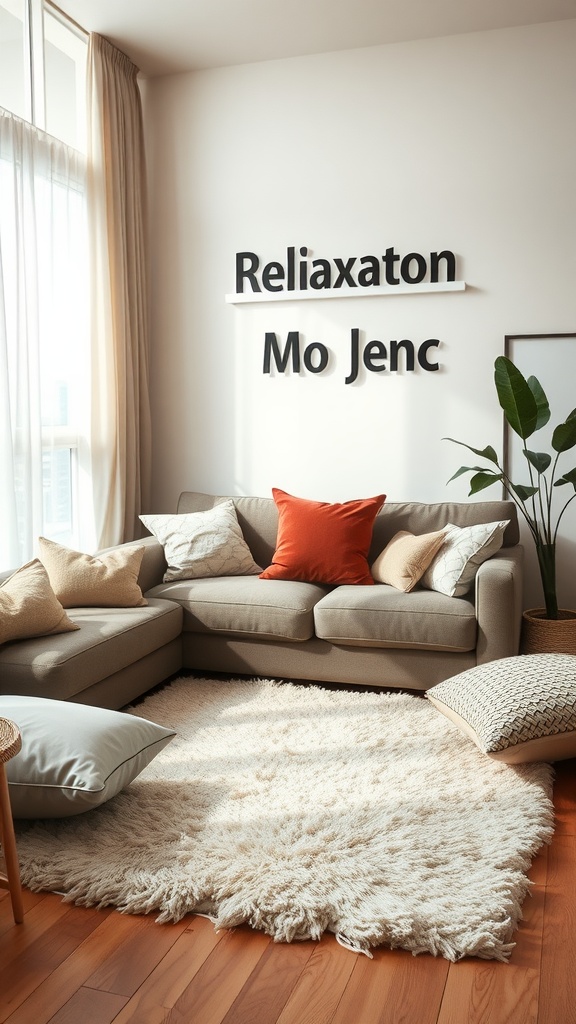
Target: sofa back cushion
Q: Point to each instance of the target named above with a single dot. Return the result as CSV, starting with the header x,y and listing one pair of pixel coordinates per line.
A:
x,y
258,518
418,518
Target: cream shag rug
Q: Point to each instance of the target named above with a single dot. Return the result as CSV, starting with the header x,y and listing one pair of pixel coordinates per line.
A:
x,y
300,810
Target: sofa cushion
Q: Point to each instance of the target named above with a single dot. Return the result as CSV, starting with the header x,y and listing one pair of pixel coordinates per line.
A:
x,y
320,542
74,757
202,544
245,606
385,617
454,568
258,518
422,517
517,709
29,606
105,580
406,558
107,641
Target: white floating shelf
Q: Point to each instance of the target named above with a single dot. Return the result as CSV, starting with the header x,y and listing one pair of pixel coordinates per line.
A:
x,y
349,293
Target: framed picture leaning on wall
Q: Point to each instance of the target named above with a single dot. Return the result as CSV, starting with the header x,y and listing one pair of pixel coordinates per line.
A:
x,y
552,359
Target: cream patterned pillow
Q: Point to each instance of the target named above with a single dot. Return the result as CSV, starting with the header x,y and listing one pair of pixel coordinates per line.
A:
x,y
201,544
29,607
405,559
106,580
515,709
454,568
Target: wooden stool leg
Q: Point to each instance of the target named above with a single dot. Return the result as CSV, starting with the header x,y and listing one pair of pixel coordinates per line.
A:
x,y
9,848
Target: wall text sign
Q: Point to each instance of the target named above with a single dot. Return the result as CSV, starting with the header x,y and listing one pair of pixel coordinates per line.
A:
x,y
299,276
373,355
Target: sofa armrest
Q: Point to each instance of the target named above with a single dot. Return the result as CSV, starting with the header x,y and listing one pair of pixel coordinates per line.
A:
x,y
153,563
499,584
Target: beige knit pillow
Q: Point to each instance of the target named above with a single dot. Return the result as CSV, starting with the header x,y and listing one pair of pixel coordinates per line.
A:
x,y
106,580
29,606
405,559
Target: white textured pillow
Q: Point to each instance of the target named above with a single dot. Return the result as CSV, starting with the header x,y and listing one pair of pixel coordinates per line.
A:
x,y
106,580
74,757
515,709
29,607
454,568
405,559
201,544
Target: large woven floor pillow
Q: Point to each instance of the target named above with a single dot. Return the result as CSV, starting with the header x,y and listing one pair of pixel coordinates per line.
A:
x,y
516,709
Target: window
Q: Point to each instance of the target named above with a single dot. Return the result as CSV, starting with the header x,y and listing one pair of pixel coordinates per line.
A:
x,y
13,59
65,80
44,302
43,69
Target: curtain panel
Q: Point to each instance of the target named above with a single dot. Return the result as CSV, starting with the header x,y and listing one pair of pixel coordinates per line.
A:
x,y
121,433
44,343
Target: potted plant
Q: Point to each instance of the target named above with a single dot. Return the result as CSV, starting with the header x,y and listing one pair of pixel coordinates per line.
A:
x,y
527,410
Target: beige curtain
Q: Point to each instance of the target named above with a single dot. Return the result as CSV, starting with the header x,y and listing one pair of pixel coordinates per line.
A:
x,y
116,215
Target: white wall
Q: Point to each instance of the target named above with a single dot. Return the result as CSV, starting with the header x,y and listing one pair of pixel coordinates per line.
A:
x,y
464,143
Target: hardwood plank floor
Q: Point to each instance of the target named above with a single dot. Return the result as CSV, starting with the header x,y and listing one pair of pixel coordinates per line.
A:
x,y
72,965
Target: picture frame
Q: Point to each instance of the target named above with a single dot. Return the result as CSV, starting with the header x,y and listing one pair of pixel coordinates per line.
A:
x,y
540,348
552,359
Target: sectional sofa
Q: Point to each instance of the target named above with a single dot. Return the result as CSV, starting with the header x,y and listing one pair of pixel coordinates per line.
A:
x,y
244,625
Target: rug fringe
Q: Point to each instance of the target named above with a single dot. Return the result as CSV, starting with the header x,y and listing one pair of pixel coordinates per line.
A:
x,y
352,945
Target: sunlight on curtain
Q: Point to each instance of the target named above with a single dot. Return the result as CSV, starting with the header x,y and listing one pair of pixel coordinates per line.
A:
x,y
44,344
116,217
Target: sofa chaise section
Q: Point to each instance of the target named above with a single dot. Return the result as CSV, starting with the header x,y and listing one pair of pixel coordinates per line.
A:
x,y
116,655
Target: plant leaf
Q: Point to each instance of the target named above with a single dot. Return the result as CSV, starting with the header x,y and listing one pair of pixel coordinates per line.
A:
x,y
516,398
468,469
484,453
481,480
523,492
564,436
540,460
568,478
541,401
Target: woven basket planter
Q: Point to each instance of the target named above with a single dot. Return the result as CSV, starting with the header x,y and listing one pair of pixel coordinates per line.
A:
x,y
548,636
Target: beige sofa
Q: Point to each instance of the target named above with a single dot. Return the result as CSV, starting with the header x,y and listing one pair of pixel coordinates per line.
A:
x,y
374,636
367,635
115,656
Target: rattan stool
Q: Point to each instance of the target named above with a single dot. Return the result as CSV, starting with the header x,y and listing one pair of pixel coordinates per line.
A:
x,y
10,744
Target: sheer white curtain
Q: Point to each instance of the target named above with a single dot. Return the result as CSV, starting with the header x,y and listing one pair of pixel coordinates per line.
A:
x,y
116,212
44,344
75,443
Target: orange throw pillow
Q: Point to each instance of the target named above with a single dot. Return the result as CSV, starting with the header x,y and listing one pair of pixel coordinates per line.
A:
x,y
323,543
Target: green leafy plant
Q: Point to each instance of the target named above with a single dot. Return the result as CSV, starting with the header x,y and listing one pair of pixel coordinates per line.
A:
x,y
527,410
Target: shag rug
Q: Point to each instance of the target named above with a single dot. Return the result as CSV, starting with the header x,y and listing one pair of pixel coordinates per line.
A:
x,y
298,810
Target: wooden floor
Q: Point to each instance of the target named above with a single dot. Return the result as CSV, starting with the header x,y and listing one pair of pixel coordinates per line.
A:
x,y
70,965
